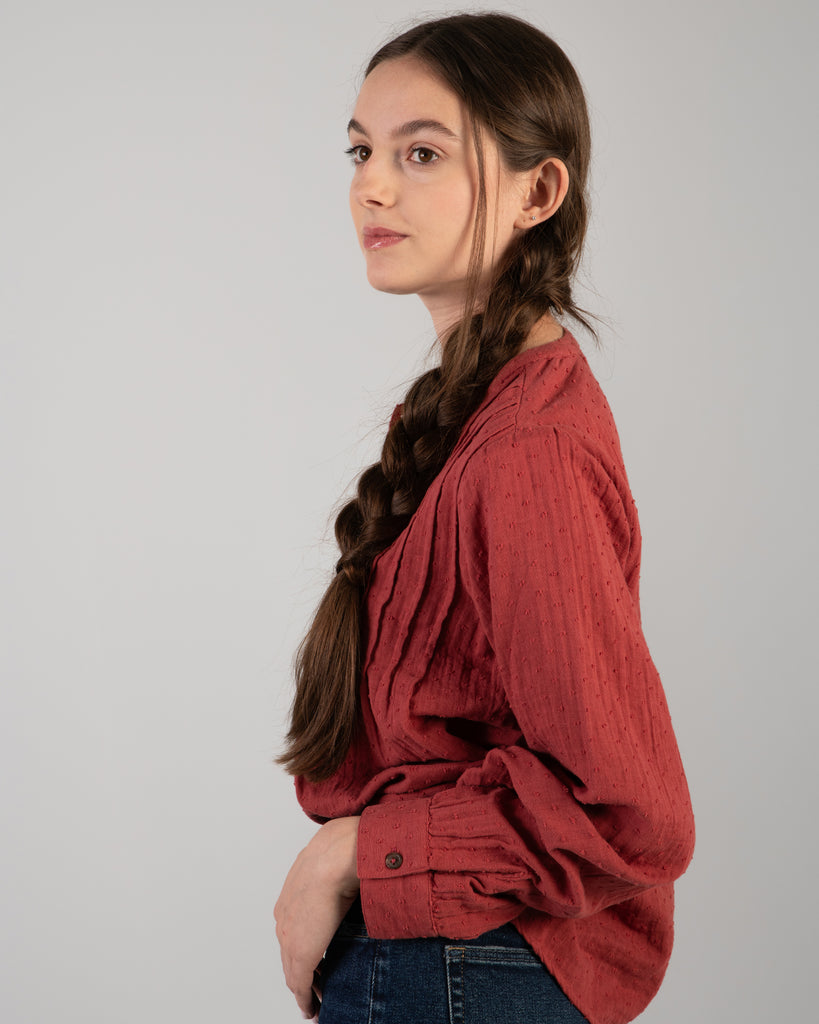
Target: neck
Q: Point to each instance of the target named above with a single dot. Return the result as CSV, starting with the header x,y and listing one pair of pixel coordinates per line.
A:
x,y
545,330
447,311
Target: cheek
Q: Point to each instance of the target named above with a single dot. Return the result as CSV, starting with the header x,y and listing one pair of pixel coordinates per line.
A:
x,y
451,212
460,198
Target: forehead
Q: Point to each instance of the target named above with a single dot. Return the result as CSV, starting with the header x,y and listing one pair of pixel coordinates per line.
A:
x,y
403,90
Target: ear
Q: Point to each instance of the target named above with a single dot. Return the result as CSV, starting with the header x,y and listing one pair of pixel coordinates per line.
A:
x,y
548,185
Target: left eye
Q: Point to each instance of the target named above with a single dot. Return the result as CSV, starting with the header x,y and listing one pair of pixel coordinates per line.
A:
x,y
422,155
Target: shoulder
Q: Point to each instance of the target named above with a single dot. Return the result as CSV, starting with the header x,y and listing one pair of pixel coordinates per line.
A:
x,y
546,455
545,402
546,460
544,486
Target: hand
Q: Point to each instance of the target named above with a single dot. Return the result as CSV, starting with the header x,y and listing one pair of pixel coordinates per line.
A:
x,y
319,889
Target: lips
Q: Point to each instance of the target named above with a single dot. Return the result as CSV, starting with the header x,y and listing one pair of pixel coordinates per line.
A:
x,y
381,238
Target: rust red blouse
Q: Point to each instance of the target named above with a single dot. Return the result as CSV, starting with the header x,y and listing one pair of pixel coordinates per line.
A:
x,y
516,760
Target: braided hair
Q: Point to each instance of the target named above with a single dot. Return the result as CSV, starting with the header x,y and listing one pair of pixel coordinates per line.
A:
x,y
520,90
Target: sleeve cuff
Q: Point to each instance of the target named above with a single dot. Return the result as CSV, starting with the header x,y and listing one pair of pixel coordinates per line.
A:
x,y
393,868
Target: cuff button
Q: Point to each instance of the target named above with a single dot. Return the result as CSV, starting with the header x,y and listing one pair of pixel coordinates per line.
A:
x,y
393,860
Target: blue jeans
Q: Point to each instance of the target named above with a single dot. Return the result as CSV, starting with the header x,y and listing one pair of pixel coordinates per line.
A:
x,y
494,979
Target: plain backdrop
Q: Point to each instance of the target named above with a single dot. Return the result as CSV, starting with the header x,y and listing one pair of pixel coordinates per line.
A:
x,y
192,371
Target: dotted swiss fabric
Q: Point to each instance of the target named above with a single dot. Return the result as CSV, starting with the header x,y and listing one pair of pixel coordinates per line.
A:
x,y
516,760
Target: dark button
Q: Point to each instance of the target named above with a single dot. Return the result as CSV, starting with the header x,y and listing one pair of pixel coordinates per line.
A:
x,y
393,860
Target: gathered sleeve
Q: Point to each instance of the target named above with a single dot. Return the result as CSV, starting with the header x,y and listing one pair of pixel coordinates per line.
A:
x,y
590,807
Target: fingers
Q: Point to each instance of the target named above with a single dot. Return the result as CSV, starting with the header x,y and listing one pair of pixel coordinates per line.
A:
x,y
308,1004
305,990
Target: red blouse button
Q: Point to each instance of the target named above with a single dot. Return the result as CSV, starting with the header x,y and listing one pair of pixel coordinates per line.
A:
x,y
393,860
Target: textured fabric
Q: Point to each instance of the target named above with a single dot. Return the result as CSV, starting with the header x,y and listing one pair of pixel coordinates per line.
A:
x,y
515,747
493,979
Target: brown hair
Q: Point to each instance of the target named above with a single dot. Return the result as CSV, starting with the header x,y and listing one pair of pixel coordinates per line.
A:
x,y
520,88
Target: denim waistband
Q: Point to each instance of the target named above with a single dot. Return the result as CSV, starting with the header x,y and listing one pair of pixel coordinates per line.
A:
x,y
354,926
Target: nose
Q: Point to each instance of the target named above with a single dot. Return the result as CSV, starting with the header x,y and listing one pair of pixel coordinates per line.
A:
x,y
373,184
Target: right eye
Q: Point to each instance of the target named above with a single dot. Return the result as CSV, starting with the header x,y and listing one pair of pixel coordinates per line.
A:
x,y
360,154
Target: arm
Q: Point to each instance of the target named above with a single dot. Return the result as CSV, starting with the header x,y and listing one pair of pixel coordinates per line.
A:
x,y
591,807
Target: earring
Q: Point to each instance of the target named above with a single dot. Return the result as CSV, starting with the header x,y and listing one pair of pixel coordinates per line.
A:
x,y
534,217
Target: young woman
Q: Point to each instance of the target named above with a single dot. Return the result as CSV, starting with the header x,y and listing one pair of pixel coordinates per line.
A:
x,y
478,724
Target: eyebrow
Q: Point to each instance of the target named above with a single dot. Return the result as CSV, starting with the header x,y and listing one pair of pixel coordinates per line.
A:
x,y
422,124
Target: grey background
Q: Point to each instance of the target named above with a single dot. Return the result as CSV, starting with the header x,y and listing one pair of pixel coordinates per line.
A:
x,y
193,369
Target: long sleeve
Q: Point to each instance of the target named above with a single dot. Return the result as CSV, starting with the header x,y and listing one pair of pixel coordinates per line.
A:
x,y
590,807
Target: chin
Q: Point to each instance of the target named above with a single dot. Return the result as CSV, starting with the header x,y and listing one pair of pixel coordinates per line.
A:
x,y
391,285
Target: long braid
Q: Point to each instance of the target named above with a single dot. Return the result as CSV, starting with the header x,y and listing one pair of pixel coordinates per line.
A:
x,y
534,277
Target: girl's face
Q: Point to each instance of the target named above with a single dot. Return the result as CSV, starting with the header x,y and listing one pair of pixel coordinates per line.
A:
x,y
415,186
